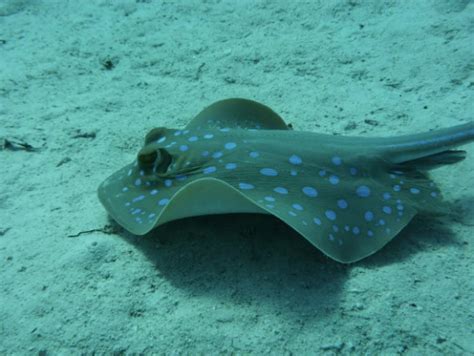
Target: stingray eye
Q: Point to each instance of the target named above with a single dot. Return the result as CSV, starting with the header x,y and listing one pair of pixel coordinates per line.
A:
x,y
147,157
154,160
163,161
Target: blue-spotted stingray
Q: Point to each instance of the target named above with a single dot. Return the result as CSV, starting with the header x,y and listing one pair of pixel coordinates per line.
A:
x,y
348,196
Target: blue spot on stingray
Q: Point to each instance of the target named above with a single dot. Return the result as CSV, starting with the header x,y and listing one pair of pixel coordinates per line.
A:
x,y
310,192
254,154
297,207
381,222
246,186
336,160
168,182
125,189
136,211
136,199
369,216
138,182
293,172
151,216
294,159
353,171
400,206
370,233
217,155
205,154
317,221
177,133
230,166
333,179
363,191
355,230
269,198
280,190
270,172
193,139
183,148
225,129
414,191
154,192
330,214
396,188
208,136
341,203
387,196
163,201
387,209
292,213
208,170
161,140
230,145
434,194
322,173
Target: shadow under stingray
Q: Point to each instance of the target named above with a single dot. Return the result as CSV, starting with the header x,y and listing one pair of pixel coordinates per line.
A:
x,y
250,257
245,259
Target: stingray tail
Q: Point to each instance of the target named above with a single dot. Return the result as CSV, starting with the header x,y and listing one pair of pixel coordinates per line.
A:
x,y
411,156
429,150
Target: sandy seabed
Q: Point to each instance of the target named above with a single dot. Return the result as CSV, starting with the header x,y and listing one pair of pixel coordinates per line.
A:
x,y
83,81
